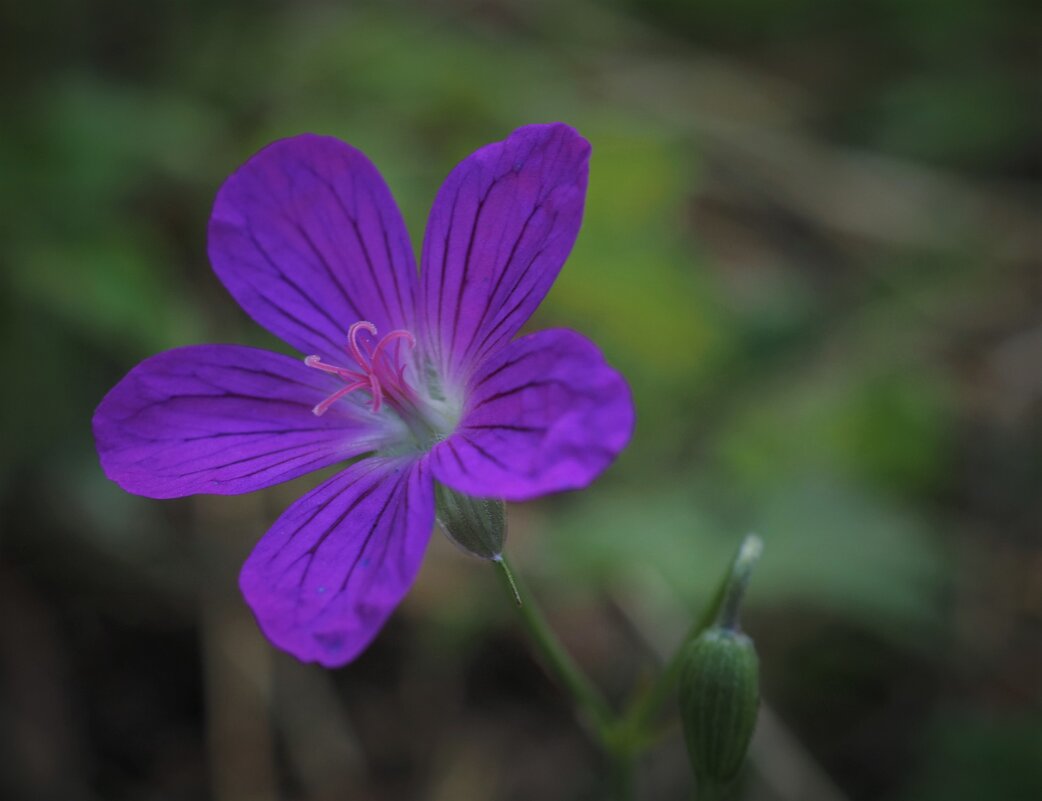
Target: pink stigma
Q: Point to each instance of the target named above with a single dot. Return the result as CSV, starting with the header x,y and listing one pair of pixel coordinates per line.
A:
x,y
380,370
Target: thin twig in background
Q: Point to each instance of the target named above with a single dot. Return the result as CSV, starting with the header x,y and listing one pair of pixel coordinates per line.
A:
x,y
236,658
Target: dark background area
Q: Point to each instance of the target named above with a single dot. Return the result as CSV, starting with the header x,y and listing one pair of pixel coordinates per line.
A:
x,y
812,244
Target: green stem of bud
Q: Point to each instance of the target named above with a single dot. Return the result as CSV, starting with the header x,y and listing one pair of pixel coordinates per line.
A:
x,y
624,737
722,610
729,606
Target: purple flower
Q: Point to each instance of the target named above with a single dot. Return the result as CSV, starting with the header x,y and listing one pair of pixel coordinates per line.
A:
x,y
417,372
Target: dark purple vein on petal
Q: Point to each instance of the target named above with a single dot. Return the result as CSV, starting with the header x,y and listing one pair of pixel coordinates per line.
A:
x,y
391,263
333,495
452,449
275,307
505,366
280,377
221,386
333,274
435,314
369,535
321,460
311,552
401,506
530,385
251,458
318,433
284,277
352,218
465,276
502,274
503,427
488,341
369,264
494,459
237,396
322,335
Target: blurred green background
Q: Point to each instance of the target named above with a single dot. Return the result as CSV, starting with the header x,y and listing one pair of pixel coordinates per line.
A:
x,y
812,243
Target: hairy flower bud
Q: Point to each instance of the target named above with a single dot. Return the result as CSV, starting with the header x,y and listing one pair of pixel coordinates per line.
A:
x,y
477,525
719,699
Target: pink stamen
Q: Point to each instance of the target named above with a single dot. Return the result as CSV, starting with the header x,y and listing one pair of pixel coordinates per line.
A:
x,y
381,371
321,408
318,364
376,391
352,340
391,337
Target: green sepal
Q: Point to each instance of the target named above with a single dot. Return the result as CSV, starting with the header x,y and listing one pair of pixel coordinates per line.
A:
x,y
719,702
477,525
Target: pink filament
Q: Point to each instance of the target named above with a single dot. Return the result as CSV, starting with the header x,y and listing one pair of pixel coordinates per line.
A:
x,y
320,409
379,372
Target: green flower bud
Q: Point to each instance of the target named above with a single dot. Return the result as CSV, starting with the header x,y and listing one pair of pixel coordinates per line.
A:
x,y
477,525
719,700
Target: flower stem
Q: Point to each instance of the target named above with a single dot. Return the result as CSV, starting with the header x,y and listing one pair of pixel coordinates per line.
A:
x,y
624,737
588,700
710,792
622,776
586,696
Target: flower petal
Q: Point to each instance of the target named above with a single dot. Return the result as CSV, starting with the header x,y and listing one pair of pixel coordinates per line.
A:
x,y
331,570
500,229
224,419
307,238
544,414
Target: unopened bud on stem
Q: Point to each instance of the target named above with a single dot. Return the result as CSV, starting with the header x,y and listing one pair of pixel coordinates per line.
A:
x,y
477,525
719,686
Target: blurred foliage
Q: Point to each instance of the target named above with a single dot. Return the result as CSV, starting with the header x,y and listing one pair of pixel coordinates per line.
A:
x,y
862,393
972,757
